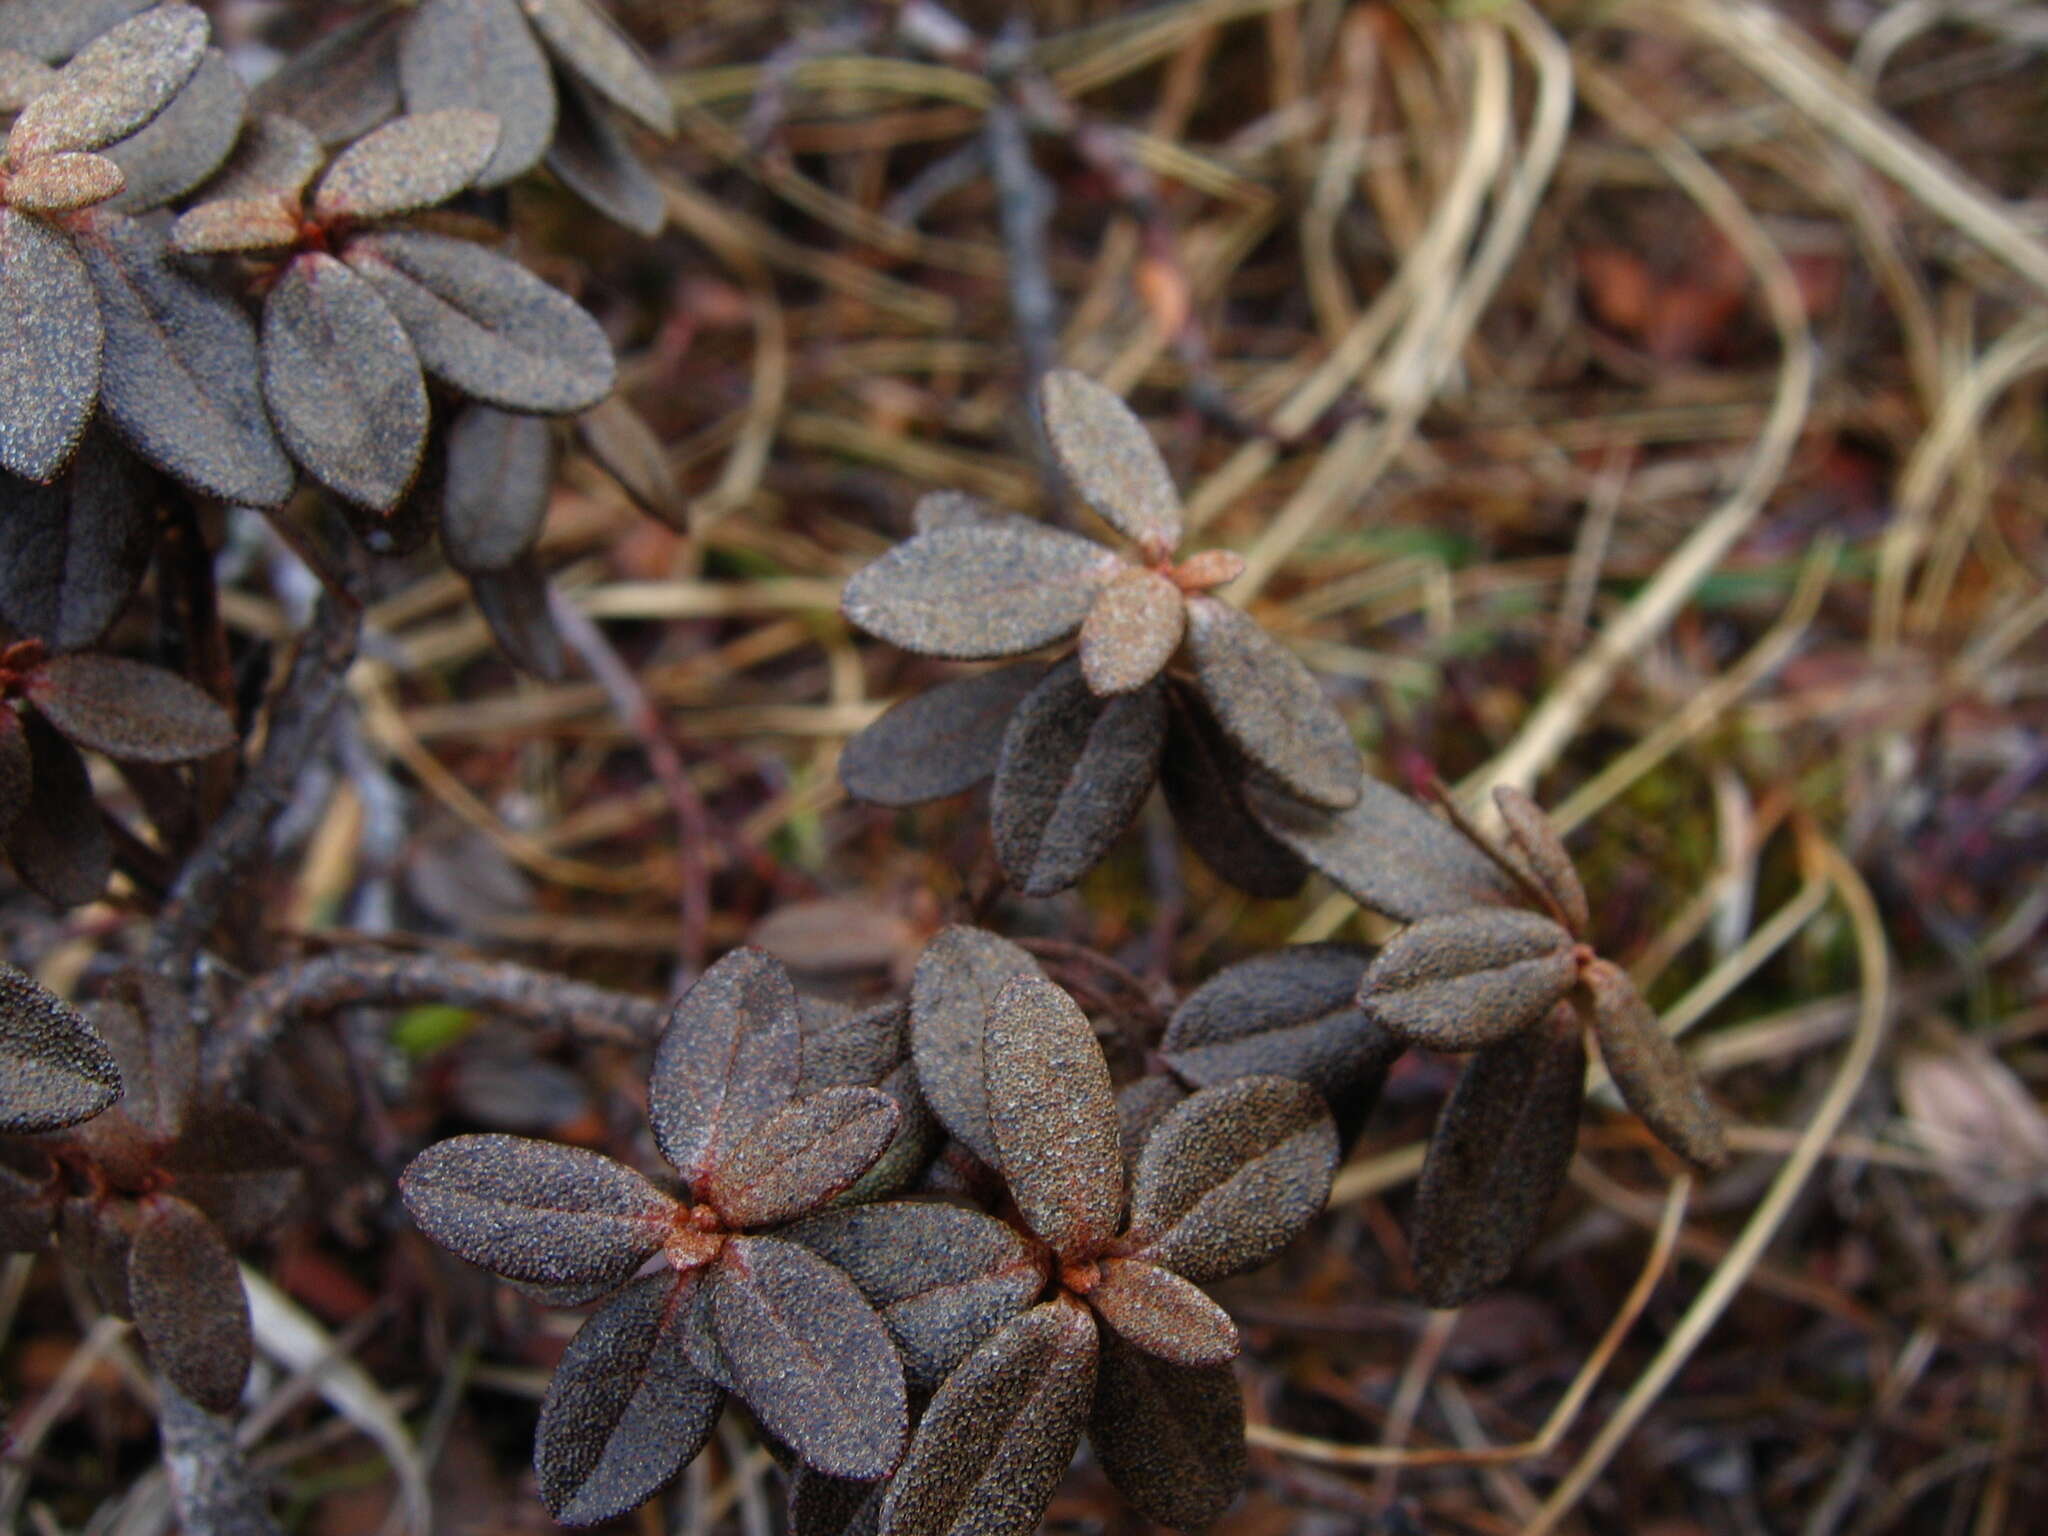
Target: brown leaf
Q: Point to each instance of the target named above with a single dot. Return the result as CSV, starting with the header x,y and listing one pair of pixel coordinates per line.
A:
x,y
1053,1113
181,377
276,158
17,768
113,85
801,1157
55,1070
149,1025
1469,979
486,325
593,160
997,1438
1292,1013
186,142
73,553
1163,1314
833,1506
1387,853
1652,1074
128,710
1131,632
1073,771
1534,844
58,845
480,54
605,57
1170,1437
627,449
1111,460
729,1059
53,30
50,372
943,1278
343,383
267,222
940,742
564,1218
412,162
1230,1176
954,988
186,1295
1203,778
972,591
1978,1120
343,84
833,936
626,1410
494,495
514,602
1271,707
1496,1160
22,76
64,183
795,1340
237,1167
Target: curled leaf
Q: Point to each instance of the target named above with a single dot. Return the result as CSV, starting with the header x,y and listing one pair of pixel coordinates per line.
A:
x,y
971,591
480,55
186,1296
1230,1176
495,491
939,742
997,1438
1169,1436
413,162
944,1278
796,1341
55,1070
602,55
1271,707
52,372
952,991
113,85
729,1059
1535,846
1203,778
128,709
802,1156
563,1218
1131,632
1111,459
1468,979
1072,772
1053,1112
626,1409
1649,1069
627,449
1163,1314
1496,1160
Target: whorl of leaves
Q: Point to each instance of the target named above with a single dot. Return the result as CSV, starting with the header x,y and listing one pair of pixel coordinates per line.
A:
x,y
55,1070
936,743
1468,979
974,591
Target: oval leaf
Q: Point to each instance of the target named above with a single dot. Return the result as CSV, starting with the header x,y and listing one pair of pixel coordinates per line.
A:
x,y
1469,979
237,1167
186,142
940,742
1271,707
1649,1069
480,54
1163,1314
1292,1013
1387,852
1496,1160
1073,771
22,76
128,709
1131,631
416,161
1053,1112
627,449
1203,778
971,591
796,1341
58,845
604,57
487,325
343,382
186,1296
564,1218
495,492
53,30
802,1156
952,992
113,85
997,1438
943,1278
1111,460
626,1410
17,767
231,225
276,158
729,1059
73,553
1231,1176
51,375
1537,849
343,84
1170,1437
514,602
594,161
64,183
55,1070
180,381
